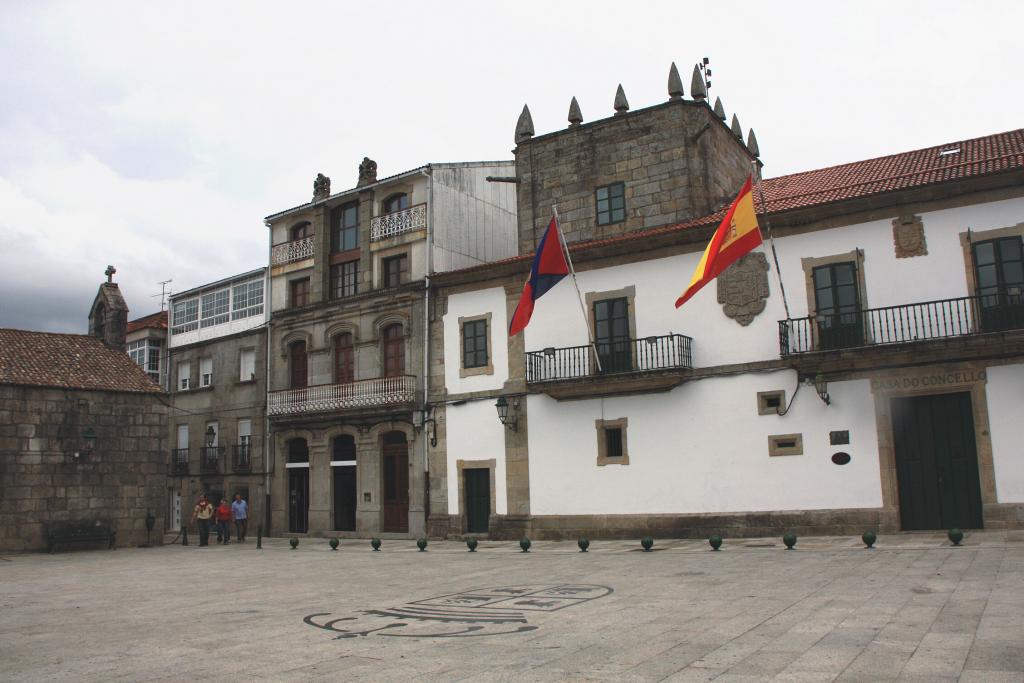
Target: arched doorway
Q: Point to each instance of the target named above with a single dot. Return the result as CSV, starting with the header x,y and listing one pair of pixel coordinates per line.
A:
x,y
298,486
343,471
395,456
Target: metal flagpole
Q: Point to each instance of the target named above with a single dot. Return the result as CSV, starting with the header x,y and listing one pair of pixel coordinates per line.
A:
x,y
572,271
771,239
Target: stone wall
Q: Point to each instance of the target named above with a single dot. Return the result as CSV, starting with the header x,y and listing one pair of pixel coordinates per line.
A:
x,y
677,161
40,481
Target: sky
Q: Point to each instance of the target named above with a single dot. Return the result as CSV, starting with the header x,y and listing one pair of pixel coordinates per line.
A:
x,y
157,136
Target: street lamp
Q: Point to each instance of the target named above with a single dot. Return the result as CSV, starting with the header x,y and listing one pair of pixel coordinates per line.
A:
x,y
506,417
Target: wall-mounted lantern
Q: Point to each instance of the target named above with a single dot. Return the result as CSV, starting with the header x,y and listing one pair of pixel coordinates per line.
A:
x,y
507,412
211,436
821,386
420,420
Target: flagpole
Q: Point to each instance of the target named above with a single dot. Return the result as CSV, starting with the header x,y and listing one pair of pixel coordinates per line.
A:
x,y
572,271
771,239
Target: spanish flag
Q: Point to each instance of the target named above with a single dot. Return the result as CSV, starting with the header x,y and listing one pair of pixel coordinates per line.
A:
x,y
737,234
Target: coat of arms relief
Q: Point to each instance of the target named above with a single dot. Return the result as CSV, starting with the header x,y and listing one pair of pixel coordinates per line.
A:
x,y
908,237
743,288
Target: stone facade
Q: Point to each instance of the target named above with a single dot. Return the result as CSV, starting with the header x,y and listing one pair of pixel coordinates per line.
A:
x,y
41,481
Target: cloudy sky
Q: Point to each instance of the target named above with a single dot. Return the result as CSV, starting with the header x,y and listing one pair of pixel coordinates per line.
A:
x,y
156,136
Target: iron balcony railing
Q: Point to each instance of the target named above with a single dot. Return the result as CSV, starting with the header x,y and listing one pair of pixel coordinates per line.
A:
x,y
241,457
645,354
398,222
179,460
209,458
367,393
941,319
296,250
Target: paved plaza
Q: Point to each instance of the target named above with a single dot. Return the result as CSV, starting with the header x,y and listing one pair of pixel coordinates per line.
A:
x,y
914,608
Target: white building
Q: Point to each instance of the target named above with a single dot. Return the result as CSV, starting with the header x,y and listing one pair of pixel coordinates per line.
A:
x,y
886,397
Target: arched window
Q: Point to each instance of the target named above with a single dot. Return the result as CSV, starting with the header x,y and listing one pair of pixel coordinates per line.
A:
x,y
344,359
297,365
298,451
396,202
343,448
301,230
394,351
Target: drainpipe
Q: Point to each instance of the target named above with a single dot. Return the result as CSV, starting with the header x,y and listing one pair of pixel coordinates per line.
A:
x,y
268,459
426,341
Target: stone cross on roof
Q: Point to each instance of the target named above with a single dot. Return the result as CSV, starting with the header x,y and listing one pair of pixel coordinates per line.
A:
x,y
109,272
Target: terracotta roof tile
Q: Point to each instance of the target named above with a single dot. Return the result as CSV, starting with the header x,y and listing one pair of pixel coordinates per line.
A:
x,y
154,320
68,361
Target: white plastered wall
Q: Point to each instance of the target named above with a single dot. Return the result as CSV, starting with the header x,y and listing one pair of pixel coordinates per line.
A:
x,y
466,306
1004,393
474,433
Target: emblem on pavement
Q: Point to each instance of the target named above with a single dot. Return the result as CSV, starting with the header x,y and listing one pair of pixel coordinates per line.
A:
x,y
496,611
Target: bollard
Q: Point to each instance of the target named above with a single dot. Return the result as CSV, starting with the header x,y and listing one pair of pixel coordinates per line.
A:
x,y
184,535
259,537
647,542
715,541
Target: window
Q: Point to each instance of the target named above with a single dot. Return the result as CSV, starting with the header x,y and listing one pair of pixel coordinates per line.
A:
x,y
611,203
396,270
244,432
786,444
246,365
185,317
301,231
999,274
297,365
396,202
247,299
611,442
345,227
137,352
344,359
611,334
344,279
474,344
205,372
215,308
184,375
394,351
837,305
183,437
153,361
343,448
299,292
771,402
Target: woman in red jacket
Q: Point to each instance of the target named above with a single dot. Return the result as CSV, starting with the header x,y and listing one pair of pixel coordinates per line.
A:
x,y
223,516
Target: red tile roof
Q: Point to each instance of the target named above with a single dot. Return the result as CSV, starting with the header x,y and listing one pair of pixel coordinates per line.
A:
x,y
155,320
918,168
68,361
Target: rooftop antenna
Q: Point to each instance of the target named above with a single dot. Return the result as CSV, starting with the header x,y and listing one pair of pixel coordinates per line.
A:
x,y
705,68
164,292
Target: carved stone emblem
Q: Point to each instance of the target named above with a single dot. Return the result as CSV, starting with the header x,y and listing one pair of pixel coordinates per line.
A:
x,y
367,172
908,237
743,288
321,187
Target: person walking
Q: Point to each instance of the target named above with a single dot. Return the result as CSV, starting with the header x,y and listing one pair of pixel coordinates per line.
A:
x,y
223,522
201,515
240,511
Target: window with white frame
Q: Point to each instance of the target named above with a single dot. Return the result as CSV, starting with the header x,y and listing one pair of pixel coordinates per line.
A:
x,y
247,299
184,375
205,372
244,432
146,354
246,365
137,352
185,316
215,308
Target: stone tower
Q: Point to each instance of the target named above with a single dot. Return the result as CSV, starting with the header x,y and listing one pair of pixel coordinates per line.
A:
x,y
108,317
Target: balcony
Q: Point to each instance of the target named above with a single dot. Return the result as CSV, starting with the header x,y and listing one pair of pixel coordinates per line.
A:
x,y
368,393
633,365
296,250
943,319
209,459
179,460
398,222
241,458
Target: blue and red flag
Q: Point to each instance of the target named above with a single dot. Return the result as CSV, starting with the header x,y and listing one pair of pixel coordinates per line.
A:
x,y
549,267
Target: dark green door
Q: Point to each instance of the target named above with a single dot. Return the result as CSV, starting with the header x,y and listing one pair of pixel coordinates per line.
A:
x,y
344,497
611,335
999,271
478,499
936,462
837,306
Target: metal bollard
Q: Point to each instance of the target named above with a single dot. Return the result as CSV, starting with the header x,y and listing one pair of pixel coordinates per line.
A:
x,y
184,535
259,537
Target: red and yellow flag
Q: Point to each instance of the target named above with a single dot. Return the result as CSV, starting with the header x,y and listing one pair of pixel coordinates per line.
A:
x,y
737,234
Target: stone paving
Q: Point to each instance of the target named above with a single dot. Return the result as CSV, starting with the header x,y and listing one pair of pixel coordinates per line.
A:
x,y
914,609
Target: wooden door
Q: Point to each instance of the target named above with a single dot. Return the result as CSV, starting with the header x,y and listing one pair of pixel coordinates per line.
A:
x,y
344,497
396,483
298,500
936,462
298,369
477,496
394,351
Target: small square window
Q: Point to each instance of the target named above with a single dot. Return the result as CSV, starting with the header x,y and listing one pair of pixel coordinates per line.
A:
x,y
611,203
771,402
474,344
300,292
396,270
611,442
786,444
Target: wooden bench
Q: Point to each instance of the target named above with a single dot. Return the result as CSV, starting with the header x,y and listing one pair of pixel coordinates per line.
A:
x,y
79,532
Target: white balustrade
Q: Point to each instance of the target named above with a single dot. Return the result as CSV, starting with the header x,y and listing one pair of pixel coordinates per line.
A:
x,y
296,250
398,222
365,393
